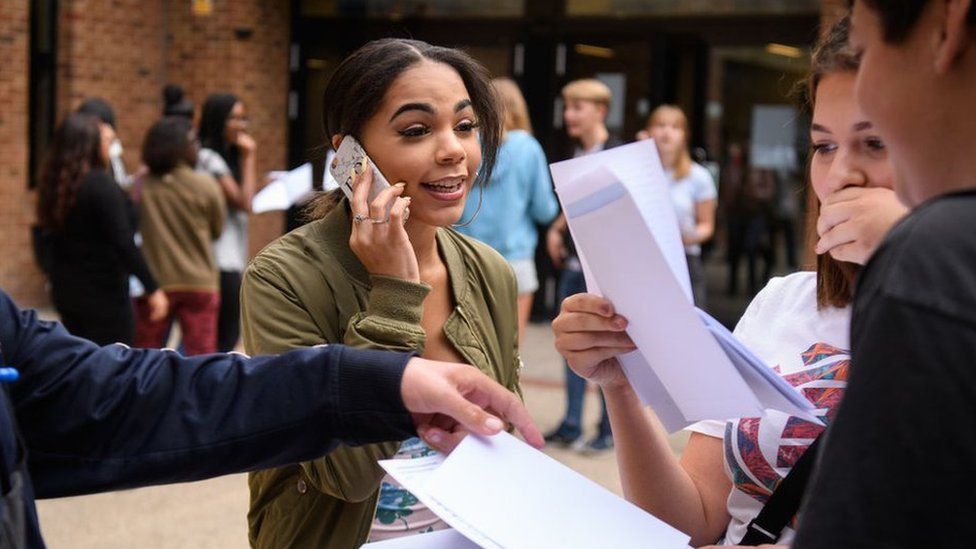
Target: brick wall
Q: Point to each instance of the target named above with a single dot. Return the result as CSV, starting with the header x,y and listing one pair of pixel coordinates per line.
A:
x,y
243,48
113,50
19,275
125,51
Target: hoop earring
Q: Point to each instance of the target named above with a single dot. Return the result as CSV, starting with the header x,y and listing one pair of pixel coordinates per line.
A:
x,y
481,197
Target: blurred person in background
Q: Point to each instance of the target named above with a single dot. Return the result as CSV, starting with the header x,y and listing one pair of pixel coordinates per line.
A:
x,y
175,102
91,228
586,105
504,212
693,191
103,111
181,214
229,155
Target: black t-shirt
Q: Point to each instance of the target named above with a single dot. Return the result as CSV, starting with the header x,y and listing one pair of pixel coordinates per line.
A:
x,y
898,466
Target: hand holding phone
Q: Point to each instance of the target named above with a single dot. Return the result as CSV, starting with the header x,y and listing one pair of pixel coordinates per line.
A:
x,y
378,236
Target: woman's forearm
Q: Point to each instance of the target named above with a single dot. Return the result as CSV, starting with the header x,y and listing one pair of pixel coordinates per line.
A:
x,y
249,180
651,475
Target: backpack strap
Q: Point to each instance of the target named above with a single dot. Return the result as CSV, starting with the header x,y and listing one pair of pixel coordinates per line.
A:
x,y
784,501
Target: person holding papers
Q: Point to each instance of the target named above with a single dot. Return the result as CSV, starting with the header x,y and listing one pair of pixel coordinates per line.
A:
x,y
798,325
373,274
587,102
693,190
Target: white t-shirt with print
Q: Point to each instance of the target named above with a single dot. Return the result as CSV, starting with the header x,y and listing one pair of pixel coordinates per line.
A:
x,y
686,193
809,348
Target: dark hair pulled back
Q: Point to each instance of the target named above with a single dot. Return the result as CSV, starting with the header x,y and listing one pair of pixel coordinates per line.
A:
x,y
357,88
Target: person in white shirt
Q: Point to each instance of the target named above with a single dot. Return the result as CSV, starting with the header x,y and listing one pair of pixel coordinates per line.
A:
x,y
693,190
798,325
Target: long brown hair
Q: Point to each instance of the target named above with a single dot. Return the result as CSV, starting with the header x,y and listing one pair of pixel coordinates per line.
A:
x,y
358,86
835,279
682,166
75,150
516,112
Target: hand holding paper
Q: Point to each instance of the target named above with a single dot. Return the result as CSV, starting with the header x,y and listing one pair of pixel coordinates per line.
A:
x,y
448,400
590,335
618,206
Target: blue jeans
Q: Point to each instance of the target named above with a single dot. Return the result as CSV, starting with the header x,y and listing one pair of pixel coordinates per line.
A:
x,y
570,283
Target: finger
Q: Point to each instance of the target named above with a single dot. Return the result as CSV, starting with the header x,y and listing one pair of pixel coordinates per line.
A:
x,y
833,215
442,440
852,252
839,235
846,194
361,184
492,395
587,322
585,363
381,205
588,303
583,341
399,212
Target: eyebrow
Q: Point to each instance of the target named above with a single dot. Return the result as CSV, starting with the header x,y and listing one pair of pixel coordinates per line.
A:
x,y
412,107
858,127
427,108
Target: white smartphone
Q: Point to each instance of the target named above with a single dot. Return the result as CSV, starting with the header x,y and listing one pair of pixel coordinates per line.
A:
x,y
349,159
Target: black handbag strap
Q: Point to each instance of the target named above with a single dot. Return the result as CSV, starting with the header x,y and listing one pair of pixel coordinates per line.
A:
x,y
783,503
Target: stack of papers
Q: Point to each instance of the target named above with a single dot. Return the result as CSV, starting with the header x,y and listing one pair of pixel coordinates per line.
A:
x,y
498,492
686,366
285,189
288,188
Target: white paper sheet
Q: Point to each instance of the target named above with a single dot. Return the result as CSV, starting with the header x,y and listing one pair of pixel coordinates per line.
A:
x,y
441,539
501,492
284,191
627,235
414,475
638,167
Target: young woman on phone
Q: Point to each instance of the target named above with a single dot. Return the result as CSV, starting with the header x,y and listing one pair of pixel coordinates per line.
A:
x,y
389,273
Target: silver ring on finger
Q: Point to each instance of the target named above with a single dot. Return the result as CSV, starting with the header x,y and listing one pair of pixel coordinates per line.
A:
x,y
359,218
379,221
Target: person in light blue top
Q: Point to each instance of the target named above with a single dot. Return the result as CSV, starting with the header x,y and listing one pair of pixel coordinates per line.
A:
x,y
504,213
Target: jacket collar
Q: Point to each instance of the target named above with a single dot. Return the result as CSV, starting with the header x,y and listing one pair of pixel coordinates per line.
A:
x,y
336,228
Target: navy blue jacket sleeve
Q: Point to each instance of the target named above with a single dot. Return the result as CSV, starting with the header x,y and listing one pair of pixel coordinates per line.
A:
x,y
99,418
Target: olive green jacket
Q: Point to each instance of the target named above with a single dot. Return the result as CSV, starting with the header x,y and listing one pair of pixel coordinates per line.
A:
x,y
308,288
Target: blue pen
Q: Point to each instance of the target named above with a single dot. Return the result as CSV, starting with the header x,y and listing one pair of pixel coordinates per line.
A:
x,y
8,375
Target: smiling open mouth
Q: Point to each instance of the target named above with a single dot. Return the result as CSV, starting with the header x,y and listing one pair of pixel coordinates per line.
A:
x,y
450,188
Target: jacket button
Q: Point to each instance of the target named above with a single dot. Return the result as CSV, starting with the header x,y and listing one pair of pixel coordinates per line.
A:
x,y
302,486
